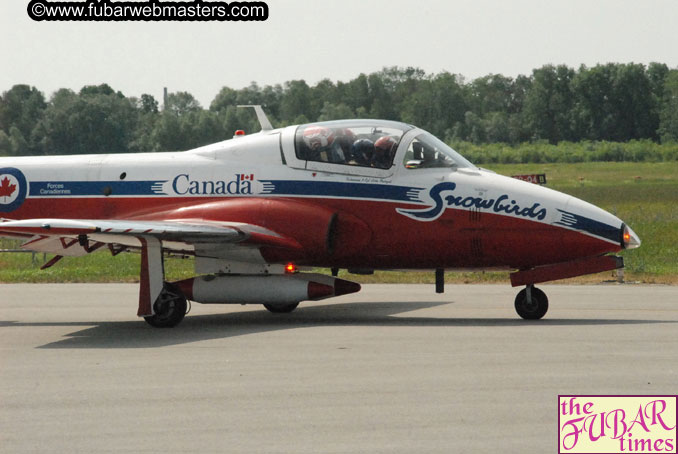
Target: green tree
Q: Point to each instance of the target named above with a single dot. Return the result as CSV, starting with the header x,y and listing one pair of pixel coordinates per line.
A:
x,y
335,112
615,102
593,116
181,103
17,143
250,94
22,107
668,126
225,98
206,129
296,100
59,135
241,119
147,104
88,123
497,127
521,86
491,93
5,145
324,92
147,117
356,93
183,124
548,103
437,105
381,100
607,102
657,73
271,96
402,82
167,134
633,103
474,127
103,89
268,97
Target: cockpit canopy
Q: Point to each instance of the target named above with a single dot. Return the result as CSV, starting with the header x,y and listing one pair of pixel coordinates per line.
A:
x,y
360,143
373,144
426,151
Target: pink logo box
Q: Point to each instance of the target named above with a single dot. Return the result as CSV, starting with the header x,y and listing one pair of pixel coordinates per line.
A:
x,y
602,424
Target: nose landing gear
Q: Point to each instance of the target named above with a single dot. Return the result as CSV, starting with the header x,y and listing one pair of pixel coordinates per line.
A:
x,y
531,303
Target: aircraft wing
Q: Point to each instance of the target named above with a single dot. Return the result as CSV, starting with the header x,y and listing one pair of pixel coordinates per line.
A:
x,y
76,237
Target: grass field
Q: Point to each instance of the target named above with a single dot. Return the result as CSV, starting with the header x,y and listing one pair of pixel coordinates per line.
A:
x,y
644,195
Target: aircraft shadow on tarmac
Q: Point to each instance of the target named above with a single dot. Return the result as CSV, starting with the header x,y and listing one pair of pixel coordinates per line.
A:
x,y
136,334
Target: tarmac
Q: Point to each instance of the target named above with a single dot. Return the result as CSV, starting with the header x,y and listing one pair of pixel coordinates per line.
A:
x,y
392,369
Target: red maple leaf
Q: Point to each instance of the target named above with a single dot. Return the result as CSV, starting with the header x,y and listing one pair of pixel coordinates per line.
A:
x,y
6,189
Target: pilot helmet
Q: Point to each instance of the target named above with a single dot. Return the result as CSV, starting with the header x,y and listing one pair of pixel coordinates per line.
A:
x,y
317,137
384,148
362,151
345,137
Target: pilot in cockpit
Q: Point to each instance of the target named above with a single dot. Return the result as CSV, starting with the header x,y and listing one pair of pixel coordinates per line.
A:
x,y
327,145
340,150
362,152
384,150
317,140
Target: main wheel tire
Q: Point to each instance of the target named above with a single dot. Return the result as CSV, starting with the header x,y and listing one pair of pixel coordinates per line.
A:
x,y
532,310
281,308
169,308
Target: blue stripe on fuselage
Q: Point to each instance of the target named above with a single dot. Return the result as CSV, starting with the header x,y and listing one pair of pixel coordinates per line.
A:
x,y
346,190
578,222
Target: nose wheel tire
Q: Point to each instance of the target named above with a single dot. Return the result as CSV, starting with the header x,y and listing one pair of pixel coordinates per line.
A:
x,y
281,308
534,309
169,308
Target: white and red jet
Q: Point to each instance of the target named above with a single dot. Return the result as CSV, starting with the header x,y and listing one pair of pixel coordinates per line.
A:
x,y
354,194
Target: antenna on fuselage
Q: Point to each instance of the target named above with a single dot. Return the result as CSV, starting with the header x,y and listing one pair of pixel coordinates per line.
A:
x,y
261,116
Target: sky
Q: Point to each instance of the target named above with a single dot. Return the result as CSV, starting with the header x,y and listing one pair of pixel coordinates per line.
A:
x,y
338,40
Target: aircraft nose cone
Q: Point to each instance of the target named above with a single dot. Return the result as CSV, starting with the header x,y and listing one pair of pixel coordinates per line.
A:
x,y
630,239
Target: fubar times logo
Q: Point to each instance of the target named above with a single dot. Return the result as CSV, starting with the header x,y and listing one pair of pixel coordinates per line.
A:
x,y
617,424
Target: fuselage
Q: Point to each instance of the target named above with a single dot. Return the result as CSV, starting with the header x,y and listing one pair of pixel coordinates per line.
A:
x,y
453,217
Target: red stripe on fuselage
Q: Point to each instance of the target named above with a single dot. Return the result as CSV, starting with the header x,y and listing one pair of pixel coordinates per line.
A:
x,y
458,239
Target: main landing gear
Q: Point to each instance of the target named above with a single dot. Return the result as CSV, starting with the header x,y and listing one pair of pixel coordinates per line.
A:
x,y
169,308
281,308
531,303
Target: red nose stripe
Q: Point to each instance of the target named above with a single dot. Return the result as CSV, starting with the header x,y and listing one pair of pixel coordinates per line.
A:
x,y
342,287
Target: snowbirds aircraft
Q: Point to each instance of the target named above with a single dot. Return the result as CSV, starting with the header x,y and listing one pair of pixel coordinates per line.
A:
x,y
351,194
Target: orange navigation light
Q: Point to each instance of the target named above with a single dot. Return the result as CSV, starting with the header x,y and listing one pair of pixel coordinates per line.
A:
x,y
290,268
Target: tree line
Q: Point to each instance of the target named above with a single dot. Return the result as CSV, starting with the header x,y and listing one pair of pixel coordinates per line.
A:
x,y
611,102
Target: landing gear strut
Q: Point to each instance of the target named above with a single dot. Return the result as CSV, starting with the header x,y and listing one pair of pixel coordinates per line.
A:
x,y
169,308
531,303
